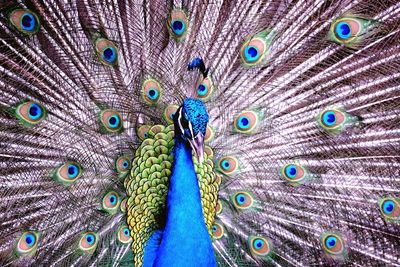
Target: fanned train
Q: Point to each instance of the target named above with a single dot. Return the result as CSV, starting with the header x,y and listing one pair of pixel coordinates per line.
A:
x,y
199,133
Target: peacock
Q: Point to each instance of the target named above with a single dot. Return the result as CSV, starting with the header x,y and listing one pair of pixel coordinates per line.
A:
x,y
199,133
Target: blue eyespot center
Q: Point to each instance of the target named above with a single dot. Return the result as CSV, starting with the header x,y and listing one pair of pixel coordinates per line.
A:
x,y
178,27
329,118
343,30
258,244
291,171
113,199
35,111
244,122
109,54
90,239
214,228
331,241
152,93
28,22
202,90
251,53
30,239
73,171
125,164
126,232
113,121
225,164
241,199
388,206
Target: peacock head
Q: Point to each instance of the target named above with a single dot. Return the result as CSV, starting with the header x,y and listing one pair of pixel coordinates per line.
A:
x,y
191,123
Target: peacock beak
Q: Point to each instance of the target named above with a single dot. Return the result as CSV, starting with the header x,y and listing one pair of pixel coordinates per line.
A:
x,y
197,145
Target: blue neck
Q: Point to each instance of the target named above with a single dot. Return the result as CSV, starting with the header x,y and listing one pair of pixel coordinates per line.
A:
x,y
185,240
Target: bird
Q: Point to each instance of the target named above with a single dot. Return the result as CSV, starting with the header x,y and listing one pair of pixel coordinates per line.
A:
x,y
199,133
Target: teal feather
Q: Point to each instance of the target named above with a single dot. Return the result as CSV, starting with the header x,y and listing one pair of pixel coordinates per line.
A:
x,y
309,84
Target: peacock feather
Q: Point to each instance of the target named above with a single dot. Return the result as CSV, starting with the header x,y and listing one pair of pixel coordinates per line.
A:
x,y
199,133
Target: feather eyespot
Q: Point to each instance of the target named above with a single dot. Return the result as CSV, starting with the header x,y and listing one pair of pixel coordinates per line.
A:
x,y
68,173
209,134
294,173
334,120
348,30
30,113
205,88
217,231
123,205
246,122
25,21
242,200
151,92
107,52
27,243
218,207
259,246
123,164
110,121
228,165
177,24
111,202
88,242
254,50
124,235
143,132
333,244
390,208
169,113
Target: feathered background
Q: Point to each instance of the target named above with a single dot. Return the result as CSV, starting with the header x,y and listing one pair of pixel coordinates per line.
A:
x,y
304,71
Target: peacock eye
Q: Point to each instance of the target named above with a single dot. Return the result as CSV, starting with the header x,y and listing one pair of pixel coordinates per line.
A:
x,y
259,246
254,50
28,242
25,21
169,113
333,120
68,173
246,122
107,52
218,207
251,53
30,113
123,205
178,24
110,202
390,208
332,244
151,91
111,121
209,134
88,242
205,88
202,89
124,235
228,165
217,231
343,30
143,132
123,164
348,30
242,200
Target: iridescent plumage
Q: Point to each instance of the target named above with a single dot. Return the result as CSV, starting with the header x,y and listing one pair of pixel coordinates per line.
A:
x,y
296,101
